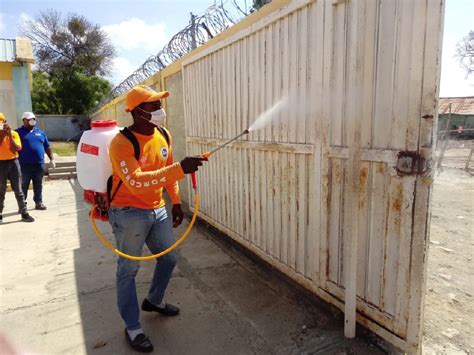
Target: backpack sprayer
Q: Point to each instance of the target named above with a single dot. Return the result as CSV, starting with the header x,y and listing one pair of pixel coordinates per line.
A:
x,y
93,149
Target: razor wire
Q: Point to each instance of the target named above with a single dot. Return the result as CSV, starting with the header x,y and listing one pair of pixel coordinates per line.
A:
x,y
201,29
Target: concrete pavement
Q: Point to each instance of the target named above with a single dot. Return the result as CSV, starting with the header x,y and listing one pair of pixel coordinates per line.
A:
x,y
58,293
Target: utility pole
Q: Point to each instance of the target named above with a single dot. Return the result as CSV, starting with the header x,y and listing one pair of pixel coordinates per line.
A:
x,y
193,31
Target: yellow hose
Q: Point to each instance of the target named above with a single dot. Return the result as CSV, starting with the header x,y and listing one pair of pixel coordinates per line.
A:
x,y
149,257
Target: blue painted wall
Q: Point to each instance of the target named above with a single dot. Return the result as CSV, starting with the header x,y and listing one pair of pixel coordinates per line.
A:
x,y
21,89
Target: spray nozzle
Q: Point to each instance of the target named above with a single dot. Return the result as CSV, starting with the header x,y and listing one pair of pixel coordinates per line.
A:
x,y
205,155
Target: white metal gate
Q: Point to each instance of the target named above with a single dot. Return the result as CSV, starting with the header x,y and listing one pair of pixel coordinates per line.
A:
x,y
296,193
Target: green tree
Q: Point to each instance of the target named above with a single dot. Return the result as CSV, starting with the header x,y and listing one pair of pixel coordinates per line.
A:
x,y
78,93
43,94
71,56
73,44
67,92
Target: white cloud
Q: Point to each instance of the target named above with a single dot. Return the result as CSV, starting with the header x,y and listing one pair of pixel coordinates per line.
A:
x,y
121,69
137,34
453,76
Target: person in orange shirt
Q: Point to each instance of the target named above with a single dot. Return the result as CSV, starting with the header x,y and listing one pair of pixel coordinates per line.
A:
x,y
10,144
137,213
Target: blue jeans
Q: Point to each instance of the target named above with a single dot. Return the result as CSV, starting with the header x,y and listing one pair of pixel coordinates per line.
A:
x,y
132,228
33,172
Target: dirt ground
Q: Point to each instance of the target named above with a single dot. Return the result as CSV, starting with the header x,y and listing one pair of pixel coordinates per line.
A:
x,y
449,304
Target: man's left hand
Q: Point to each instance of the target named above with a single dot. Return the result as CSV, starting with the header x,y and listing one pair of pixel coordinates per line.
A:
x,y
178,215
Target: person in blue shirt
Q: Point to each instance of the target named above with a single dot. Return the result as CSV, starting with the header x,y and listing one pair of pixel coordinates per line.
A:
x,y
35,144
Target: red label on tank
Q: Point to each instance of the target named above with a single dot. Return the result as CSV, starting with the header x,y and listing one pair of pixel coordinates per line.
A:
x,y
89,149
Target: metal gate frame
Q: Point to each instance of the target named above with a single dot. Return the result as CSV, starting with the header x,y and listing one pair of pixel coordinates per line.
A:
x,y
410,184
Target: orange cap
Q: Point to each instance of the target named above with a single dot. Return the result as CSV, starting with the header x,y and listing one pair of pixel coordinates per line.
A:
x,y
2,117
142,93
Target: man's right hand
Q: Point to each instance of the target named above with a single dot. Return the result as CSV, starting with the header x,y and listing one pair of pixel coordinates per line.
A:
x,y
7,128
191,164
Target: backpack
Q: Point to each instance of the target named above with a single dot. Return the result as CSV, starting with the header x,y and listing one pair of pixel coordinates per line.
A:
x,y
136,148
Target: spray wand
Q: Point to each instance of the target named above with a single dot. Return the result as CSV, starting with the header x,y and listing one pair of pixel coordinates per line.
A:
x,y
208,154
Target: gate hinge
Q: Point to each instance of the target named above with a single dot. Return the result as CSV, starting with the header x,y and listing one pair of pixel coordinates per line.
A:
x,y
412,163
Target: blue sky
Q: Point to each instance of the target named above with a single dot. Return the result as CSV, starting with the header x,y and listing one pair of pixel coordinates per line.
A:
x,y
458,21
140,28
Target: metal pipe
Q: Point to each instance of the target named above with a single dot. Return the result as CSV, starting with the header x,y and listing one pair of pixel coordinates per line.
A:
x,y
228,142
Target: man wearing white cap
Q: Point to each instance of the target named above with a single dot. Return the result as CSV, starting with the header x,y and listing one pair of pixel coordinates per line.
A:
x,y
35,144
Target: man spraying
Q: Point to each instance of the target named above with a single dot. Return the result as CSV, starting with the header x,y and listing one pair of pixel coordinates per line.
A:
x,y
137,214
35,143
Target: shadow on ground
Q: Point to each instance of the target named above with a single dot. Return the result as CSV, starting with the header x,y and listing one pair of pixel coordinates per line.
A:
x,y
229,304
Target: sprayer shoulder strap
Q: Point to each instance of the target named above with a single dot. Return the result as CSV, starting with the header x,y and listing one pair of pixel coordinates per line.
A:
x,y
131,137
136,149
165,134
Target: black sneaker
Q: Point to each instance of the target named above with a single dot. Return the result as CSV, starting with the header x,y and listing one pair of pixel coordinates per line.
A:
x,y
1,218
141,343
40,206
168,310
25,217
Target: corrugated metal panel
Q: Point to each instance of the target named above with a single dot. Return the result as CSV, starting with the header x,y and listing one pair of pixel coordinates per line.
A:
x,y
7,50
290,192
459,105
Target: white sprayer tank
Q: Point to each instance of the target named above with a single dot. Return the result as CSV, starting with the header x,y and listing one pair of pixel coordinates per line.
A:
x,y
93,162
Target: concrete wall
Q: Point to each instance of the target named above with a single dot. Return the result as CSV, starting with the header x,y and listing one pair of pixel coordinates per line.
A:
x,y
63,127
21,89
